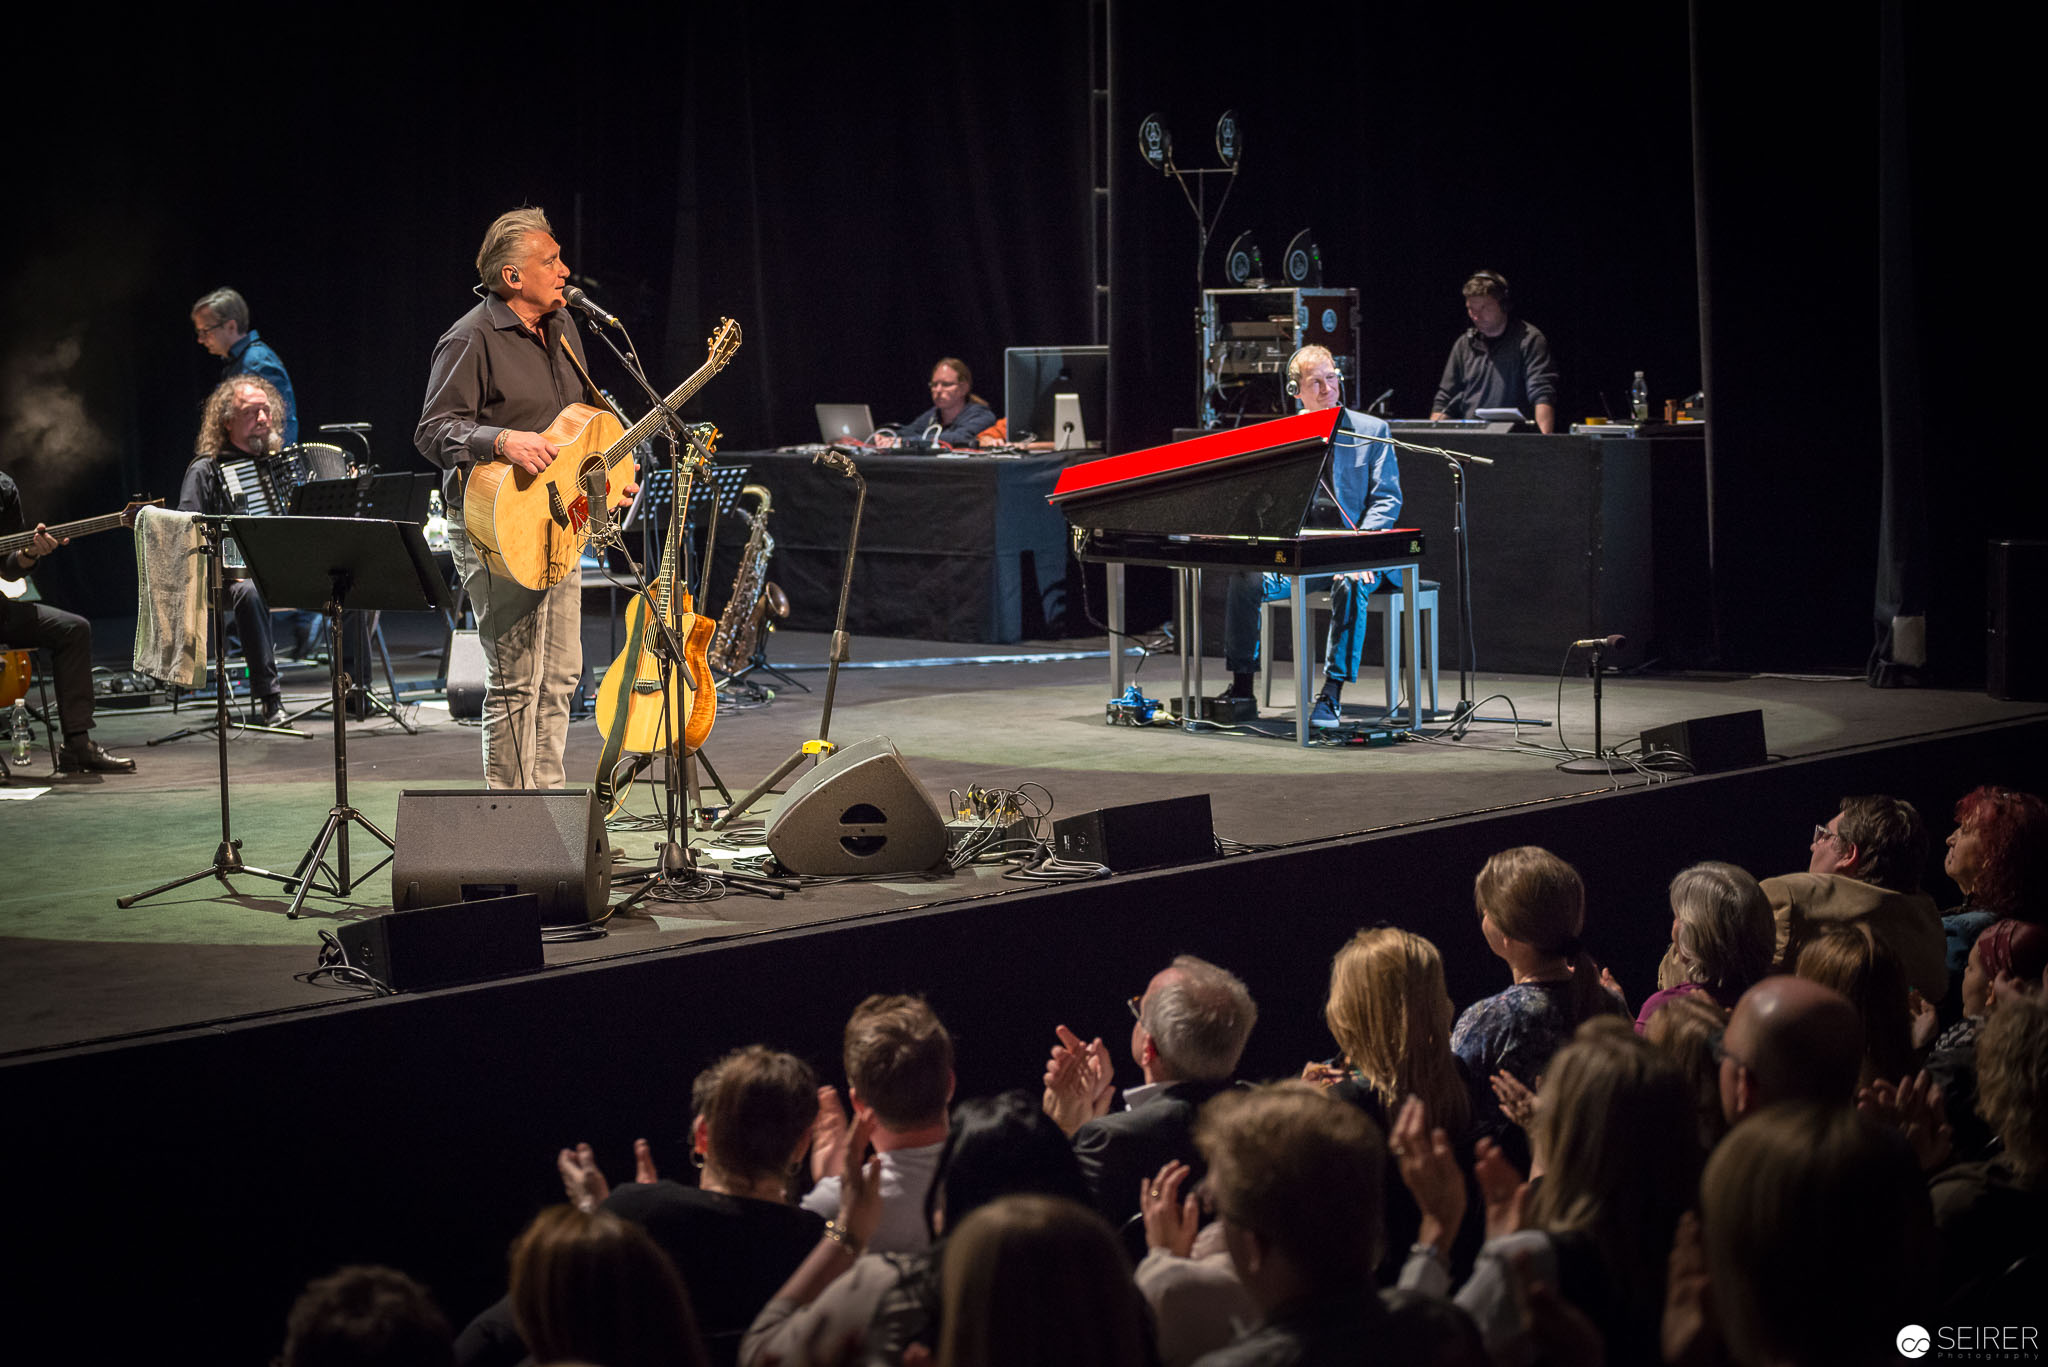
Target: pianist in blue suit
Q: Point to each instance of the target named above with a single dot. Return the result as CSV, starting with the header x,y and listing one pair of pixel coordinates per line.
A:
x,y
1367,480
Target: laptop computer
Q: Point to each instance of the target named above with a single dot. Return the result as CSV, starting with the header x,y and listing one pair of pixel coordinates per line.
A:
x,y
845,422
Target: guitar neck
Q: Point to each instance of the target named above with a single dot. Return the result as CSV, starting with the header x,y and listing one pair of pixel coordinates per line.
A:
x,y
643,429
10,544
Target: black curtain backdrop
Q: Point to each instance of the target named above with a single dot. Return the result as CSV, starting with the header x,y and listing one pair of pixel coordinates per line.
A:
x,y
867,192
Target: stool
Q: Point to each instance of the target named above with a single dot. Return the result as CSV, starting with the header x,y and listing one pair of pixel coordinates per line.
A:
x,y
1390,603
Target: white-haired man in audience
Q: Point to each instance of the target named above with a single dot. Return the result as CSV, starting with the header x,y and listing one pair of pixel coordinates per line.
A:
x,y
1190,1027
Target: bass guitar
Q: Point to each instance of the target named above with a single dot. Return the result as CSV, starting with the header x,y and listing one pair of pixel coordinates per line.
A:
x,y
533,527
14,588
634,714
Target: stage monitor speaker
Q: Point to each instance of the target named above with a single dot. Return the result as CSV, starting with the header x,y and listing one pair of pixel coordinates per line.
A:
x,y
463,942
1733,740
2015,637
465,662
859,811
1141,835
464,846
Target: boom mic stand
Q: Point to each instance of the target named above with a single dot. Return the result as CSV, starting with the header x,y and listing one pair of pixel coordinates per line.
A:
x,y
837,458
227,856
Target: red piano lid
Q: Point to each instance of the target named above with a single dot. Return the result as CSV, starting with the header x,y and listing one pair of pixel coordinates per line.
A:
x,y
1096,476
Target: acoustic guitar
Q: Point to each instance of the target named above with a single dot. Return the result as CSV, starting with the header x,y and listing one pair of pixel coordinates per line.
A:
x,y
634,714
533,527
14,588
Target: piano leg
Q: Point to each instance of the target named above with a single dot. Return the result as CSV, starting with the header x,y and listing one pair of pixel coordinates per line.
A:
x,y
1304,658
1184,613
1113,590
1195,639
1411,583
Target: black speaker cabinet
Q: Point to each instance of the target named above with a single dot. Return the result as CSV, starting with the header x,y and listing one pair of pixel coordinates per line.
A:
x,y
463,942
468,845
465,661
2015,639
1139,835
1733,740
858,812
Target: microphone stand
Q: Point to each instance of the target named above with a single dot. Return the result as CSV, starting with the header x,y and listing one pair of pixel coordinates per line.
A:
x,y
1598,762
837,458
227,856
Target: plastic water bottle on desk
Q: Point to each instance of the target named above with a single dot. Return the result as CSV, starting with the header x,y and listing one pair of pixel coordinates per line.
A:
x,y
1639,399
20,738
437,523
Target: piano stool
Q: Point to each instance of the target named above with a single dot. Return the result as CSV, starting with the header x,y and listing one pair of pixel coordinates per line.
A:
x,y
1390,603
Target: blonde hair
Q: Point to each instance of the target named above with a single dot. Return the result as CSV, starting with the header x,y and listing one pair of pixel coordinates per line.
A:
x,y
1617,1135
1391,1014
505,241
1856,962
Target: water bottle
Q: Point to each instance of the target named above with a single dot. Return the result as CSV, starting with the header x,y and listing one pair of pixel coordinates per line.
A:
x,y
18,733
437,523
1639,399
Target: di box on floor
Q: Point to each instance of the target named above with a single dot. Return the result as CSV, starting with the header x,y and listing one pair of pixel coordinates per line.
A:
x,y
1142,835
469,844
1733,740
464,942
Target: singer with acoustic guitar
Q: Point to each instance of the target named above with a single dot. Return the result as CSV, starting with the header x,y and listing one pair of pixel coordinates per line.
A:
x,y
67,635
500,377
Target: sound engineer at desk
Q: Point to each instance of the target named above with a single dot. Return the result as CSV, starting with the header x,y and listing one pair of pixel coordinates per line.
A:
x,y
1500,362
957,413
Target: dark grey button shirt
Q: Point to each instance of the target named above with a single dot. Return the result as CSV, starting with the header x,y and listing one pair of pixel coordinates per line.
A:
x,y
491,374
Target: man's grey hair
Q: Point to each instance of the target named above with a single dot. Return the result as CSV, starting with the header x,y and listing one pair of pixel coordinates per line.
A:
x,y
1200,1019
505,244
226,306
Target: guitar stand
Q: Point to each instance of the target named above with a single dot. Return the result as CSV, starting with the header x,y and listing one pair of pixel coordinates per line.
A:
x,y
821,746
329,560
227,856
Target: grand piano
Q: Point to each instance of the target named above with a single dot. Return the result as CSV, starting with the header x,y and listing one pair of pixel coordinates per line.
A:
x,y
1245,500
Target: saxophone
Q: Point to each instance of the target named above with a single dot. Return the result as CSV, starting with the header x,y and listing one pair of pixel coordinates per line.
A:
x,y
739,626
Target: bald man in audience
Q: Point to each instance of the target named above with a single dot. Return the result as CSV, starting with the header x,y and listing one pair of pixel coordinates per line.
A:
x,y
1789,1039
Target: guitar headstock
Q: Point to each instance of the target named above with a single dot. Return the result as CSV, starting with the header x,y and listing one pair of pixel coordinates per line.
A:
x,y
724,342
128,513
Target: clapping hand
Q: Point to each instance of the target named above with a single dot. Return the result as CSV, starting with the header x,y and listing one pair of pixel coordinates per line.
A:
x,y
860,1182
828,1135
1170,1219
1517,1102
1080,1083
583,1183
1430,1171
1505,1193
1917,1110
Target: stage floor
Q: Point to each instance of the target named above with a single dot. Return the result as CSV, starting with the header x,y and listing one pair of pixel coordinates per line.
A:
x,y
79,970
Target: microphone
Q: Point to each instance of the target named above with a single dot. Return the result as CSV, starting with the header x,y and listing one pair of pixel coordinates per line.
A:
x,y
1379,405
1601,643
577,299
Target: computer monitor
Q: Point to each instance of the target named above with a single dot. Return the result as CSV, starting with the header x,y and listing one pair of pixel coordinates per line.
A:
x,y
1032,376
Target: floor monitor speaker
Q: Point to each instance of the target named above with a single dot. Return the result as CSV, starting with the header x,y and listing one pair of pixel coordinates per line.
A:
x,y
859,811
1733,740
463,846
1139,835
463,942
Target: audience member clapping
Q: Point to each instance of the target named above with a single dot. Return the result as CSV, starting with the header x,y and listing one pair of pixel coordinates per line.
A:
x,y
1532,911
899,1069
1816,1235
845,1297
2015,951
1295,1179
1036,1280
1990,1214
1722,938
588,1286
366,1317
1616,1135
1191,1026
734,1237
1391,1015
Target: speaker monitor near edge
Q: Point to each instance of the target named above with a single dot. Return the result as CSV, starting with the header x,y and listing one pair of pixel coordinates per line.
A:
x,y
858,811
465,845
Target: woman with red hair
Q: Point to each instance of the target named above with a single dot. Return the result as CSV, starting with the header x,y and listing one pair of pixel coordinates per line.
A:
x,y
1998,856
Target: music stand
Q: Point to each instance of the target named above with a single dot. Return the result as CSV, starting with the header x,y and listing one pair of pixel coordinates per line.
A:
x,y
332,563
401,497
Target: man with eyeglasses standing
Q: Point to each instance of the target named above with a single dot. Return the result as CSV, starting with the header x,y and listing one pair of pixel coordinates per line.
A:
x,y
1366,481
220,320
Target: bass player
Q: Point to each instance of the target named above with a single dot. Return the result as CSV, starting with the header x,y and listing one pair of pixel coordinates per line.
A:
x,y
500,375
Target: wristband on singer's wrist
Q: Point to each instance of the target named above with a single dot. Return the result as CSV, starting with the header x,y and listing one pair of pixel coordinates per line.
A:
x,y
498,443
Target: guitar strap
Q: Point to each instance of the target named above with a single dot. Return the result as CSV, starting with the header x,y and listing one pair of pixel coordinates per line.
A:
x,y
590,385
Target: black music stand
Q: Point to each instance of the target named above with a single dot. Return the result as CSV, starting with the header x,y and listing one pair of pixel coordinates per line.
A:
x,y
399,497
334,563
